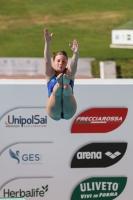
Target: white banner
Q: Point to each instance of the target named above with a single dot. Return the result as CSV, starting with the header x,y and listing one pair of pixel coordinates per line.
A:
x,y
86,157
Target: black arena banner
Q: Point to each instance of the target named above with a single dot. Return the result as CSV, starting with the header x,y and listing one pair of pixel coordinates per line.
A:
x,y
99,120
99,155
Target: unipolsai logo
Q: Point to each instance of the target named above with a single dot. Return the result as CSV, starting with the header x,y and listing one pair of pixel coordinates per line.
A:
x,y
25,158
29,193
99,188
31,121
99,155
99,120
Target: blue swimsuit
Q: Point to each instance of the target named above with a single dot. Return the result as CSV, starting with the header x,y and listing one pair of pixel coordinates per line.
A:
x,y
51,84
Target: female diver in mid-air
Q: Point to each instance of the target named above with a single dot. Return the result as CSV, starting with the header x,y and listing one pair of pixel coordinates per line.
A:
x,y
60,80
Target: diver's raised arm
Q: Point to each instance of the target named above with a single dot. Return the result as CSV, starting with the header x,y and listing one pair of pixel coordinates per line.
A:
x,y
48,69
73,65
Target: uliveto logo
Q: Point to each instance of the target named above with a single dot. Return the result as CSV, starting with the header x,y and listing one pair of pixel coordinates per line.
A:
x,y
99,120
98,155
99,188
26,158
32,121
29,193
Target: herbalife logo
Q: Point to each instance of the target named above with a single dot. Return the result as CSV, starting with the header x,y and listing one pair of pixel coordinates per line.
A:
x,y
99,120
26,158
33,121
99,188
98,155
113,155
29,193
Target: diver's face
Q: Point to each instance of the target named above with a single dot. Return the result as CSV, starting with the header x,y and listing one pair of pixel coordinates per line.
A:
x,y
60,63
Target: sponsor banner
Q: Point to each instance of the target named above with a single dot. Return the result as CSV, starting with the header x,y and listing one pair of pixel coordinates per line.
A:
x,y
99,188
98,155
99,120
27,188
41,158
25,118
26,154
27,159
34,192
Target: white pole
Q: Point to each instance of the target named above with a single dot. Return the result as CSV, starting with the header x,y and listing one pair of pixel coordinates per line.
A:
x,y
102,74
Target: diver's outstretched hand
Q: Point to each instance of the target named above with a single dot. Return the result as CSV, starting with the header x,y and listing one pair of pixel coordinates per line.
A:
x,y
47,36
74,46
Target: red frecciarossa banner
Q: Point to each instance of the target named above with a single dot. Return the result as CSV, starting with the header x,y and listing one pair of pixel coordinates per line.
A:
x,y
99,120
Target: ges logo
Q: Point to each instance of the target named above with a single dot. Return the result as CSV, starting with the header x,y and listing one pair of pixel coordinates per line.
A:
x,y
25,158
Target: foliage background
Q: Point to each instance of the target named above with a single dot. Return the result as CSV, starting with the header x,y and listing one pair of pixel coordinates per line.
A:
x,y
89,21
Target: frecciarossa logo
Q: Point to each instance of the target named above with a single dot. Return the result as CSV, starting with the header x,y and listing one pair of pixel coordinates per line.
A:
x,y
99,120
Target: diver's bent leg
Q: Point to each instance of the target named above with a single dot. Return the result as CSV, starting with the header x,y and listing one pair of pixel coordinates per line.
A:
x,y
69,102
54,103
54,107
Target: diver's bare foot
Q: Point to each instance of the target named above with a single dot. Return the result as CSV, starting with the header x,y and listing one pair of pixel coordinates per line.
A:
x,y
66,81
67,90
57,90
59,80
